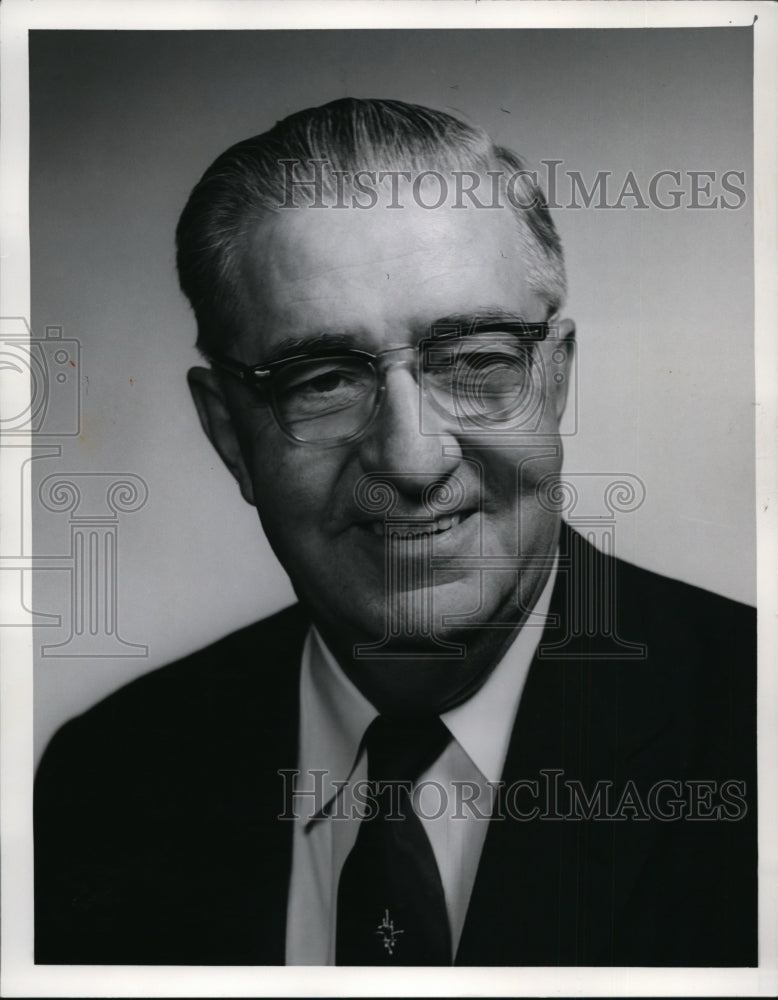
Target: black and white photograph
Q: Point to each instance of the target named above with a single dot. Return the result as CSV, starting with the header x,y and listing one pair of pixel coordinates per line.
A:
x,y
389,481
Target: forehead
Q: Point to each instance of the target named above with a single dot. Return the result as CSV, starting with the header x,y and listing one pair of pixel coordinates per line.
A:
x,y
379,275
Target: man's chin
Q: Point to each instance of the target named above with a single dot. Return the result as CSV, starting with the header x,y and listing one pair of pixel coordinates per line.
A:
x,y
418,622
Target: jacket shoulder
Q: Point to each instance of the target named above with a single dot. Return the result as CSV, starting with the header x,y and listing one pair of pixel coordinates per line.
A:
x,y
685,619
692,598
190,701
651,603
178,766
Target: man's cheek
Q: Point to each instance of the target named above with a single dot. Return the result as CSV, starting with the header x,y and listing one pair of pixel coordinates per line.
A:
x,y
520,477
282,482
284,509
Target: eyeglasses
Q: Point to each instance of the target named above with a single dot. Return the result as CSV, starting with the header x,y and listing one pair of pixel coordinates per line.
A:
x,y
486,379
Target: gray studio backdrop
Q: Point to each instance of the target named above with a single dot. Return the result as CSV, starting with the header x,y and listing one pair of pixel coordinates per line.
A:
x,y
122,126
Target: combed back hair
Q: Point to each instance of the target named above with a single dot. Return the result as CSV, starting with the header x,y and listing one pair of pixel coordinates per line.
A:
x,y
248,182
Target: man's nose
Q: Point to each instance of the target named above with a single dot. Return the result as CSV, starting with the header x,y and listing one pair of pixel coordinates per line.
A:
x,y
395,442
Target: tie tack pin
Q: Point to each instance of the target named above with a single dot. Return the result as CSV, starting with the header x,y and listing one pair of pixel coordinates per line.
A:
x,y
387,930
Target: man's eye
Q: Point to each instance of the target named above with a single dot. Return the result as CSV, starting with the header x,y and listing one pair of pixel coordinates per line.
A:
x,y
492,373
490,358
315,390
324,383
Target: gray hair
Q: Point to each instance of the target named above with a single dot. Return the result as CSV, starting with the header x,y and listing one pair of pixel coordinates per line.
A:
x,y
247,182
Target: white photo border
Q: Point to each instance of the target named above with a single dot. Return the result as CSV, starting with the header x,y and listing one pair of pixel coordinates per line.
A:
x,y
20,977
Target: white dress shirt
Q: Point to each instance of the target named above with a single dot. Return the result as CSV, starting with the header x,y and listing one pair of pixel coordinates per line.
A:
x,y
334,715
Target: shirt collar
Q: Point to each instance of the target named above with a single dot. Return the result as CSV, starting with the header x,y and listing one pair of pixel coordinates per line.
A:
x,y
482,725
334,714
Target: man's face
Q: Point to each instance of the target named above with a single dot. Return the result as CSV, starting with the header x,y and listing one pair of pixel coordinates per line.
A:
x,y
375,280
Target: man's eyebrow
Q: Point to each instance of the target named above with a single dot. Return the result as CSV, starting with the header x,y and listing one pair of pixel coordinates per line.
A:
x,y
472,322
313,344
466,323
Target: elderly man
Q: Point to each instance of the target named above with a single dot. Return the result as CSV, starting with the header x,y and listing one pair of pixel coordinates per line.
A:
x,y
476,739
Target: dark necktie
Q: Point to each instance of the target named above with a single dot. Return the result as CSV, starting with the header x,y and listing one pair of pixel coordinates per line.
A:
x,y
391,907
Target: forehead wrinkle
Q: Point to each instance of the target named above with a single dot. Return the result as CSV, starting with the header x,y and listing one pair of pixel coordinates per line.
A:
x,y
420,239
487,266
358,262
272,285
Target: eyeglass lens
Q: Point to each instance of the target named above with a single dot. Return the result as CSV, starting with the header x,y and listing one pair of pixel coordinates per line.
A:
x,y
476,381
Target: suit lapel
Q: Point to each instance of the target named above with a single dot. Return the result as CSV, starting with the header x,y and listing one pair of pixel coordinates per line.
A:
x,y
549,889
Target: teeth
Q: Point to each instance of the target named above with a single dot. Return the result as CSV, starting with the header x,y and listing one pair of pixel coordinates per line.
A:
x,y
448,521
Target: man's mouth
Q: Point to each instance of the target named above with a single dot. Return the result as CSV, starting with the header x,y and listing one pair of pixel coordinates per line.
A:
x,y
407,529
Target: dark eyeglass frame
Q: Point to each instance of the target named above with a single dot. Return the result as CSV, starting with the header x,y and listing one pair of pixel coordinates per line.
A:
x,y
260,376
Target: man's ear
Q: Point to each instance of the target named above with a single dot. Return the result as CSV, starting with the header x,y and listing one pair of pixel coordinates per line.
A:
x,y
561,366
217,423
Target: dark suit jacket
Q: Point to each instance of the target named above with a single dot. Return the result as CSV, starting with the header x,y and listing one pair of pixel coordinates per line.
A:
x,y
157,838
